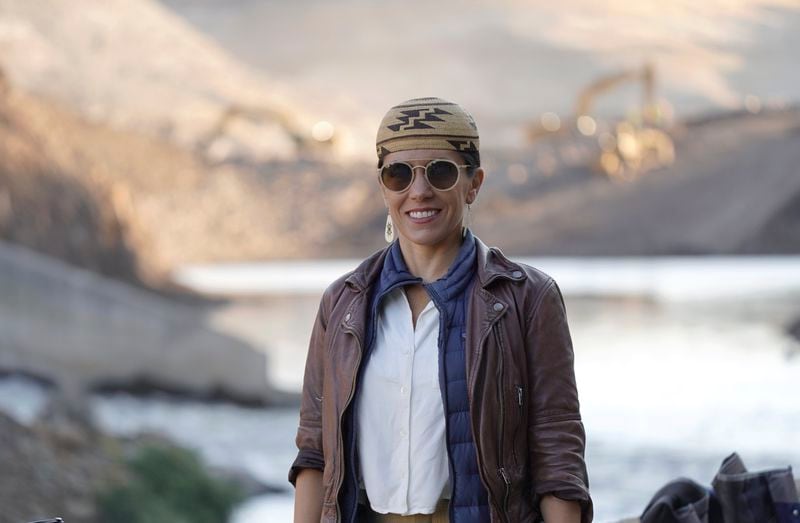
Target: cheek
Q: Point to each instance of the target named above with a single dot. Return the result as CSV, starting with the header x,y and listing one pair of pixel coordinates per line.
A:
x,y
463,197
383,195
393,205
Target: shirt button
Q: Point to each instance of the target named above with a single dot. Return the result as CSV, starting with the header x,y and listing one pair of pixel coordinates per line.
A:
x,y
402,390
517,274
498,307
347,317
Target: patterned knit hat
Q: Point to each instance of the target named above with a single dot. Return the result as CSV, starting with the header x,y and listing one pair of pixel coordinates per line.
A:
x,y
427,123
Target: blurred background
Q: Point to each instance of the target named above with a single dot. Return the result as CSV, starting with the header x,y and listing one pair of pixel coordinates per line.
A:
x,y
180,180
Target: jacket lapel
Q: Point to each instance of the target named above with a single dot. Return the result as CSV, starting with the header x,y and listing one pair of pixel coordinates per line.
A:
x,y
485,307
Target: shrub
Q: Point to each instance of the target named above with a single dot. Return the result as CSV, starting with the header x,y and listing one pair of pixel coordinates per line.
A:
x,y
168,484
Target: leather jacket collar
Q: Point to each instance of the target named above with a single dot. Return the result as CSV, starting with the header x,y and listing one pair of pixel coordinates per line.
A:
x,y
489,267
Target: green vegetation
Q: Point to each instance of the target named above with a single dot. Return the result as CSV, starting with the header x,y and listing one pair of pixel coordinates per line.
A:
x,y
168,484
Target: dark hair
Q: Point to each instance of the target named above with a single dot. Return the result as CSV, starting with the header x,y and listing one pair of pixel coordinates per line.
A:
x,y
473,160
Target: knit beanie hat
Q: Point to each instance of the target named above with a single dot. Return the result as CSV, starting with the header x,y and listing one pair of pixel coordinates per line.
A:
x,y
427,123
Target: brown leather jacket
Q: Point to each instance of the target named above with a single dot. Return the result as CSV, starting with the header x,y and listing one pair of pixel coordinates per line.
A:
x,y
520,379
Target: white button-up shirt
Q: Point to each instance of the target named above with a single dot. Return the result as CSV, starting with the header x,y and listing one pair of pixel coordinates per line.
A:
x,y
401,424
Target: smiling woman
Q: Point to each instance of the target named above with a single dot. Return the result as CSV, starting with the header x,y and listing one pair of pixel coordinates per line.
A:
x,y
440,139
421,214
439,383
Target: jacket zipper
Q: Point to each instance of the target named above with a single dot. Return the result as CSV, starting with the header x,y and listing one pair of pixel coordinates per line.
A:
x,y
481,462
519,422
501,442
507,482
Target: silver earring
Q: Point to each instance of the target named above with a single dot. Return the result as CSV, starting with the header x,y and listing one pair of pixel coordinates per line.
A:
x,y
388,232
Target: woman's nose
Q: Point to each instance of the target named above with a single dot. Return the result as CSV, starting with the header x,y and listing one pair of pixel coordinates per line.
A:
x,y
420,188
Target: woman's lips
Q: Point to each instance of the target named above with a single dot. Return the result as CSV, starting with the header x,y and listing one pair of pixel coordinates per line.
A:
x,y
423,215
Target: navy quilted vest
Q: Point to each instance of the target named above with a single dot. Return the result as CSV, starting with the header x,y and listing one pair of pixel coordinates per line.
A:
x,y
468,498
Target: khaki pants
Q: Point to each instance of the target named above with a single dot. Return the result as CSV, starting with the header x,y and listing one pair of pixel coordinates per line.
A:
x,y
440,516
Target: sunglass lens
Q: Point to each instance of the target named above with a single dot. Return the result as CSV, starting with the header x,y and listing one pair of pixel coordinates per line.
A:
x,y
442,175
396,176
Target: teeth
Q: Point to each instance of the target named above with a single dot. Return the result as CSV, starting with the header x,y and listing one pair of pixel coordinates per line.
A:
x,y
422,214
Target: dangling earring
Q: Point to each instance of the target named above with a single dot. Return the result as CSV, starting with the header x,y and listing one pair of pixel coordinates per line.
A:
x,y
388,232
467,219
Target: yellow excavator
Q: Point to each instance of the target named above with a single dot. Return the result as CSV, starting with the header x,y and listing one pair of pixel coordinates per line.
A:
x,y
627,148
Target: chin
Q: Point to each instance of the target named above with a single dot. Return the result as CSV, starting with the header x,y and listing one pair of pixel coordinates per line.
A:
x,y
429,238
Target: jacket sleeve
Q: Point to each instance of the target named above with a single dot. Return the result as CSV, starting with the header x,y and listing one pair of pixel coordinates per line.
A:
x,y
309,431
556,434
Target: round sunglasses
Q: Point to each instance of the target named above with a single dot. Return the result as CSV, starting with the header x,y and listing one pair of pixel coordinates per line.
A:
x,y
441,174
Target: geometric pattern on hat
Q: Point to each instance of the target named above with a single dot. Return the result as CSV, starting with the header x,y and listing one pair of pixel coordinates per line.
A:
x,y
427,123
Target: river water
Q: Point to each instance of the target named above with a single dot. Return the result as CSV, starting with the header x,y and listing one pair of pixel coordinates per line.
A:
x,y
671,381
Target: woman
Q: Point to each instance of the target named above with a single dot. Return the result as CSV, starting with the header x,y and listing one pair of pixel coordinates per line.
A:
x,y
439,384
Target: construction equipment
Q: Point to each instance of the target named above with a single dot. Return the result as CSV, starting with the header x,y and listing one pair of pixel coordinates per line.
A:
x,y
624,149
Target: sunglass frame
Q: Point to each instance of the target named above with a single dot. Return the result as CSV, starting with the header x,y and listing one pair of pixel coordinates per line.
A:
x,y
425,170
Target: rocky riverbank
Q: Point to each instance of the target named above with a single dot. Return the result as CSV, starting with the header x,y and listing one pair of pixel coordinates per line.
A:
x,y
54,469
61,466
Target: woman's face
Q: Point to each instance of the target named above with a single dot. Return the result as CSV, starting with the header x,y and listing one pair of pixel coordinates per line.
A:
x,y
423,215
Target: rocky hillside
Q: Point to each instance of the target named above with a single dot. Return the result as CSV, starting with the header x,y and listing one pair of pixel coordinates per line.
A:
x,y
54,199
131,167
125,204
137,66
734,188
